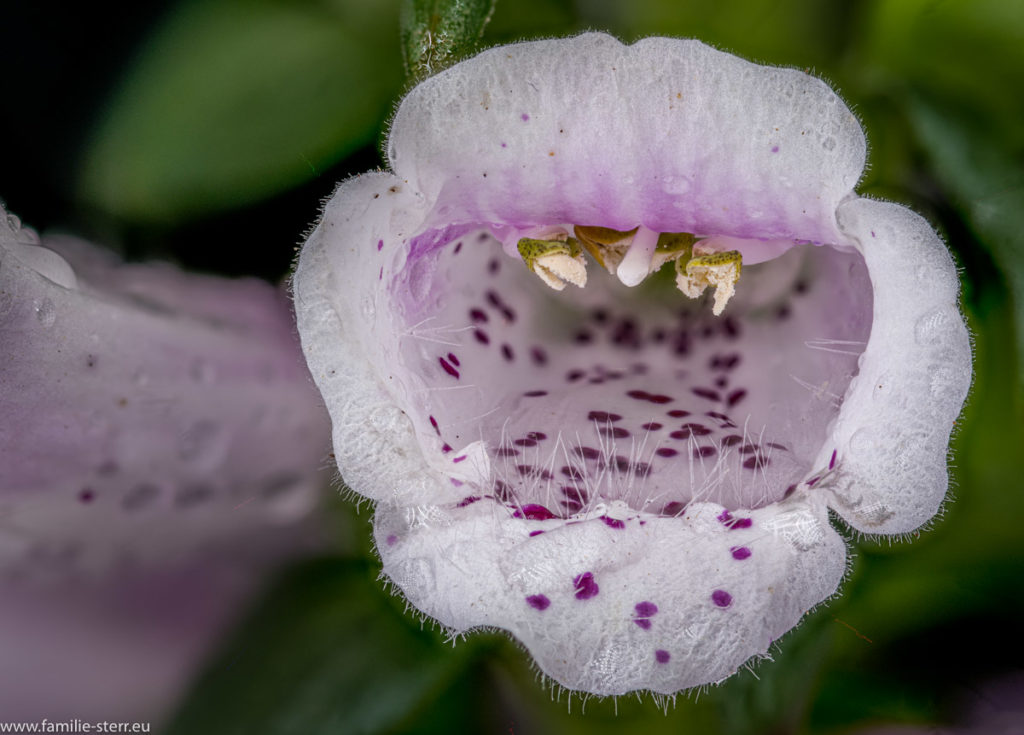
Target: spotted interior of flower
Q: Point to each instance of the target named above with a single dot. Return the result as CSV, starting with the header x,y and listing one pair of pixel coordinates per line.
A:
x,y
560,403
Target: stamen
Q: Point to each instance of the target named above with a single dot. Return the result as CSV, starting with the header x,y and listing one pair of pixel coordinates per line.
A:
x,y
720,270
672,246
607,246
636,266
555,261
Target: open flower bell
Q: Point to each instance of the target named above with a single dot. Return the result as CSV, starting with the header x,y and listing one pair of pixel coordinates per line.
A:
x,y
612,337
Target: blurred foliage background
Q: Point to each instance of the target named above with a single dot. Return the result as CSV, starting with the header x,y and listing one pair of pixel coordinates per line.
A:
x,y
208,131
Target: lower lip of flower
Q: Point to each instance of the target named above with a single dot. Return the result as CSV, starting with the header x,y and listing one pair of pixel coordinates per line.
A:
x,y
607,400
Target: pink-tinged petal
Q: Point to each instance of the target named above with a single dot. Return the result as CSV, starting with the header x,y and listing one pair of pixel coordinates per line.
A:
x,y
341,313
459,553
556,463
146,412
126,645
670,134
891,438
478,566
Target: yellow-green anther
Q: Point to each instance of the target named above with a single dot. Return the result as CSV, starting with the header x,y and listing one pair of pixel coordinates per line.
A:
x,y
720,270
607,246
672,246
555,261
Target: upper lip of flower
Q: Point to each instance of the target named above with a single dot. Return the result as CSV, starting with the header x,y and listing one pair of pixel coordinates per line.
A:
x,y
713,145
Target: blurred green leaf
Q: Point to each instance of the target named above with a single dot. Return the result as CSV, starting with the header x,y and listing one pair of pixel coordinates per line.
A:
x,y
231,101
437,33
984,178
327,652
955,69
790,32
969,53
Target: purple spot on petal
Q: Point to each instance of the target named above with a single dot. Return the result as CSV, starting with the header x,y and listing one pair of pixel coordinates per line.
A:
x,y
645,609
453,359
603,416
586,452
448,367
721,598
445,448
735,397
652,426
724,517
504,145
789,491
775,149
573,375
643,623
756,462
678,413
810,483
524,117
731,440
662,656
666,452
740,553
478,315
615,432
701,452
741,523
539,356
534,512
573,473
673,509
832,461
481,336
709,393
506,452
392,539
538,602
506,352
613,522
538,532
468,500
433,422
585,586
460,458
535,393
380,245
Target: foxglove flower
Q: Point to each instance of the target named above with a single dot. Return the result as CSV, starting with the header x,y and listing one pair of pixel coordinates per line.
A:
x,y
560,441
160,448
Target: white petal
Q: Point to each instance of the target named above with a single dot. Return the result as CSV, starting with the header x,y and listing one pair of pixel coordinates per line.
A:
x,y
892,435
340,307
478,566
147,413
666,133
